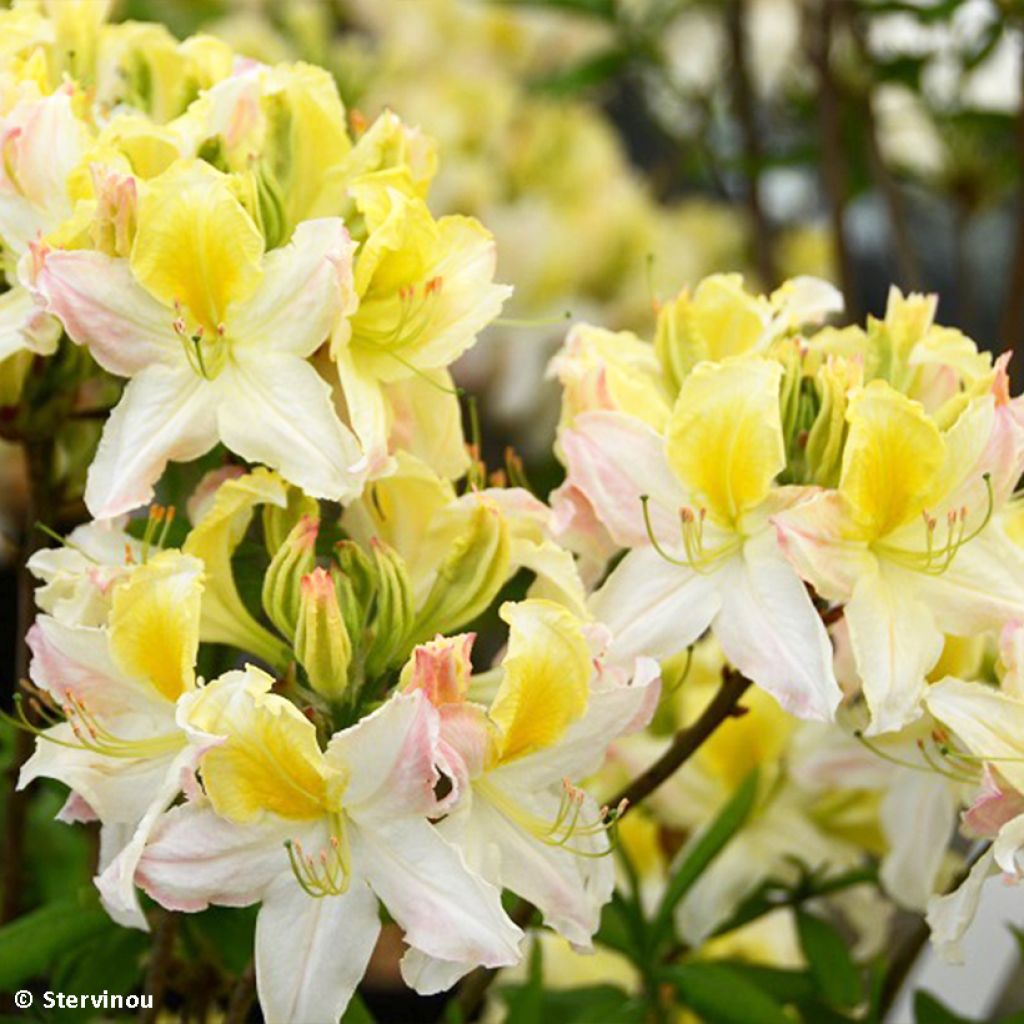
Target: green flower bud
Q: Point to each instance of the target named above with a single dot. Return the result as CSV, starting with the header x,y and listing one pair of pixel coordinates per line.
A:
x,y
827,436
278,522
469,578
389,640
294,559
322,643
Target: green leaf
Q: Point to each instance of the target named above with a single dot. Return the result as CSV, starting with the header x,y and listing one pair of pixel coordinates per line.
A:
x,y
721,995
586,1004
928,1010
357,1013
833,970
708,845
525,1003
29,945
782,984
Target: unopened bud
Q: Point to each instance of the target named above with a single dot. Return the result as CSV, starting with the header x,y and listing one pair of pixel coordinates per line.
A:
x,y
469,578
282,584
322,643
278,522
393,611
441,669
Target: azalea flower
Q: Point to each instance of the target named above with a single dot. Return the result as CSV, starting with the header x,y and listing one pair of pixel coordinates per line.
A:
x,y
120,747
210,328
694,507
320,839
910,543
515,813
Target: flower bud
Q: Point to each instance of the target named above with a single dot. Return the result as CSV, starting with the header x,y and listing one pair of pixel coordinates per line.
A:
x,y
278,522
322,643
441,669
470,577
389,638
827,436
294,559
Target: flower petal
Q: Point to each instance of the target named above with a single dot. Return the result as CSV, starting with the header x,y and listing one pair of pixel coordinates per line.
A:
x,y
895,642
613,459
296,430
165,413
24,327
653,608
445,910
950,916
312,953
306,285
104,308
771,632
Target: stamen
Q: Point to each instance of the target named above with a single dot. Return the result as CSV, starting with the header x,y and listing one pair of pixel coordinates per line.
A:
x,y
692,532
330,872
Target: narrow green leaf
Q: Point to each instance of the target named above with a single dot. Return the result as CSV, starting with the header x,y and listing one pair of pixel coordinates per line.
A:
x,y
357,1013
596,8
784,985
587,74
526,1002
29,945
832,968
705,849
720,995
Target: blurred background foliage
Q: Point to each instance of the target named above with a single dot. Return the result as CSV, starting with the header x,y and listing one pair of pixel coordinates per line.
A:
x,y
619,150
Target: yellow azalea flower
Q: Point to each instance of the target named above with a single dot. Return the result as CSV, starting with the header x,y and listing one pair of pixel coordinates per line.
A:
x,y
425,291
209,326
320,838
911,541
694,506
121,749
513,812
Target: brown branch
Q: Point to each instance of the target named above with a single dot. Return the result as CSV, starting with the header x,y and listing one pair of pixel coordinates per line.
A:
x,y
39,508
158,969
821,22
736,14
686,743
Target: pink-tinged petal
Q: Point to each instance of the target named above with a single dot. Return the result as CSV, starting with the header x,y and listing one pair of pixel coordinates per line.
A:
x,y
895,642
116,883
810,535
445,910
982,589
576,526
306,286
1011,654
653,608
993,806
771,632
466,738
918,816
950,916
24,327
613,460
104,308
165,413
201,500
312,953
195,858
75,661
441,669
76,811
277,410
391,758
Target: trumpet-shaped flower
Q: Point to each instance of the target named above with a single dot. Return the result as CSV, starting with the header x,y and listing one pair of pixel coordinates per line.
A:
x,y
320,838
516,814
909,541
426,289
214,334
120,748
694,507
